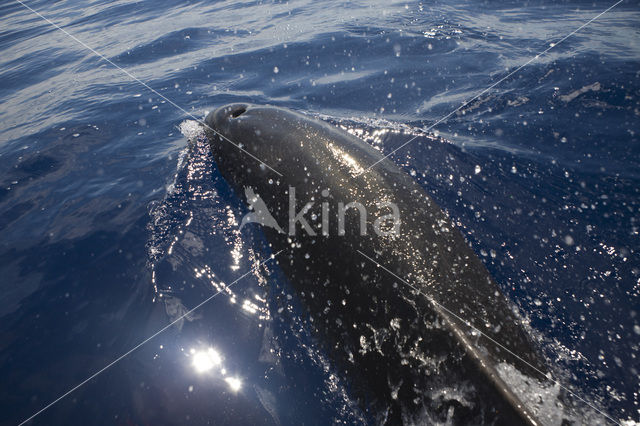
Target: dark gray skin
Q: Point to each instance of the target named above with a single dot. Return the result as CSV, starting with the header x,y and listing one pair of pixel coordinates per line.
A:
x,y
393,346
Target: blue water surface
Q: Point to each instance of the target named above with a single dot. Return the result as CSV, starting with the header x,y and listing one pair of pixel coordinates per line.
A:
x,y
115,221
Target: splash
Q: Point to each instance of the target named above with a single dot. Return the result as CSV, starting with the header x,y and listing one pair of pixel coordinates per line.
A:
x,y
187,229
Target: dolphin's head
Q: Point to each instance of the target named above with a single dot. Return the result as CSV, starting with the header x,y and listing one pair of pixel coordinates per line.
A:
x,y
249,140
258,147
266,147
221,119
254,144
269,149
246,135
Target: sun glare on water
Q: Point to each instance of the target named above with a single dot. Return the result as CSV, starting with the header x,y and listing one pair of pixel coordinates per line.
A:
x,y
234,383
204,361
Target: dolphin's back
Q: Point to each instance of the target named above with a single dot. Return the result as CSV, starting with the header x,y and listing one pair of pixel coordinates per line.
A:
x,y
403,334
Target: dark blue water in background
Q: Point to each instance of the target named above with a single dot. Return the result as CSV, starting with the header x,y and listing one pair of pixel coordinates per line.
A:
x,y
114,219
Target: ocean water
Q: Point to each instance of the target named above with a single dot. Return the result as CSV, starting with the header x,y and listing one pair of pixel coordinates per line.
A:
x,y
115,221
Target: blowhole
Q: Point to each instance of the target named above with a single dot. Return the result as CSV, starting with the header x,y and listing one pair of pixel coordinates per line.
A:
x,y
238,112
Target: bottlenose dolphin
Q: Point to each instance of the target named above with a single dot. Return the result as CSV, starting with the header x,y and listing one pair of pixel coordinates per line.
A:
x,y
403,350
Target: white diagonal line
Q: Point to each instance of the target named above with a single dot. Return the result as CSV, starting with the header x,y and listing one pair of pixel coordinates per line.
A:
x,y
133,77
432,300
121,357
467,102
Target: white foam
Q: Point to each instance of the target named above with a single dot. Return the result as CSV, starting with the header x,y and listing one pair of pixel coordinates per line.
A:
x,y
191,129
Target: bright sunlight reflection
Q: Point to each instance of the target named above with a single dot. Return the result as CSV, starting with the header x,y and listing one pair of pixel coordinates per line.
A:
x,y
204,361
234,383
